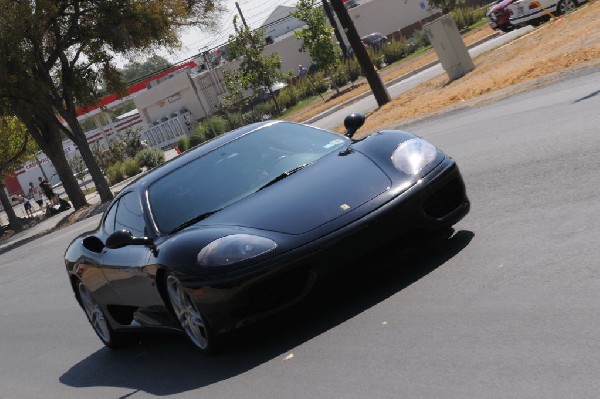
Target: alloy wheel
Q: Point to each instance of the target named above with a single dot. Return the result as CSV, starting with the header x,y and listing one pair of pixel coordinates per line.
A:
x,y
95,314
187,314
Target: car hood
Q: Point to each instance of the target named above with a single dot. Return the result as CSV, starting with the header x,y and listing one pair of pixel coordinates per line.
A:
x,y
334,186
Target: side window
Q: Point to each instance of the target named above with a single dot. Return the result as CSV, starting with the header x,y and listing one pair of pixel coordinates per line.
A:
x,y
109,221
129,215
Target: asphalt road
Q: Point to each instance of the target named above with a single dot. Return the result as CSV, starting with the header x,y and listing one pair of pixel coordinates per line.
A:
x,y
506,308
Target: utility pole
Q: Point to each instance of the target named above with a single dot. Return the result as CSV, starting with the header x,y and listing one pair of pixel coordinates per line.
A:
x,y
237,5
368,69
333,24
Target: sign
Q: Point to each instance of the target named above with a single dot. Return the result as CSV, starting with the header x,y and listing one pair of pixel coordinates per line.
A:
x,y
422,5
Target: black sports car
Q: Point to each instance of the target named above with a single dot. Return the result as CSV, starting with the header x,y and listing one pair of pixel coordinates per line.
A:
x,y
244,225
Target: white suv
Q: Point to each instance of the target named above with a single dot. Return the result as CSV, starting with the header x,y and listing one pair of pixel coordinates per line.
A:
x,y
528,11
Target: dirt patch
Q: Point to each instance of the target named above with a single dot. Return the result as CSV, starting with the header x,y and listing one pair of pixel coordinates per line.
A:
x,y
527,62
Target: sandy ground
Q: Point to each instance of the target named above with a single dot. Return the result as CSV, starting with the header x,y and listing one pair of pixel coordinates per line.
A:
x,y
527,62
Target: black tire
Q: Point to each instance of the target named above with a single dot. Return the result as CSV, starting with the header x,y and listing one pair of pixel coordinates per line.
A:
x,y
100,323
565,6
190,319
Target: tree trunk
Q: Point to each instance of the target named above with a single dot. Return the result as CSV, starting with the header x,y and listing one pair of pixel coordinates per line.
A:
x,y
46,135
88,157
377,87
13,220
333,23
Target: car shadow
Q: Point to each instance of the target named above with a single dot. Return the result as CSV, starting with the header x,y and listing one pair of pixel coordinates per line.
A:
x,y
167,364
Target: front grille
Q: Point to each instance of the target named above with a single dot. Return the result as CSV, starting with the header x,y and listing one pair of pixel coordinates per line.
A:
x,y
445,199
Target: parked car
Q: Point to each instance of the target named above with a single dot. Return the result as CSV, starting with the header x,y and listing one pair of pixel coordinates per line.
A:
x,y
245,225
498,15
374,40
524,12
265,95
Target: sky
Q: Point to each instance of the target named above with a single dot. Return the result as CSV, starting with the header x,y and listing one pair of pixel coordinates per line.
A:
x,y
194,40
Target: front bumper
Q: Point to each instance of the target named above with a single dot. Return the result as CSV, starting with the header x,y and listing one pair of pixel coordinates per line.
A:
x,y
232,300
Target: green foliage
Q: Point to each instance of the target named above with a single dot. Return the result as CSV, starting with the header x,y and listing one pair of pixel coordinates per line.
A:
x,y
131,141
317,36
445,5
131,167
78,167
122,170
58,55
235,119
234,96
184,143
215,126
395,51
464,17
418,39
256,70
151,157
119,110
15,146
197,137
353,68
288,96
115,173
138,70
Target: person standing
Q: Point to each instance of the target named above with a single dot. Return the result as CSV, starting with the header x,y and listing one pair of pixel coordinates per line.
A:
x,y
35,195
45,186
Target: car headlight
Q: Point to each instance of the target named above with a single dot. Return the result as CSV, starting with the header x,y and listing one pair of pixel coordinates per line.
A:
x,y
234,248
413,155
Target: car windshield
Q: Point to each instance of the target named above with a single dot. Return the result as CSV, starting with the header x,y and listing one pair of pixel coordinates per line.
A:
x,y
235,170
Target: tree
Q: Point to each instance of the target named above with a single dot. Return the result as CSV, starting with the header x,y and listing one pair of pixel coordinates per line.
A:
x,y
317,36
138,70
256,71
14,149
67,48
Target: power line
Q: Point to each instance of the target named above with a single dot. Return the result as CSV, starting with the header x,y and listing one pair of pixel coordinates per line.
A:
x,y
210,49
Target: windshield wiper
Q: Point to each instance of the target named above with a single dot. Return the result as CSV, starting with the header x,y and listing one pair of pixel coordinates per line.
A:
x,y
283,176
194,221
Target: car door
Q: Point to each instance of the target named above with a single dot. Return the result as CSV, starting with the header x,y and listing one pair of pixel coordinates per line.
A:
x,y
130,270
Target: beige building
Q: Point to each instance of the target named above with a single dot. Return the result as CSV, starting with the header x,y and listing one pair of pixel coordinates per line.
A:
x,y
171,107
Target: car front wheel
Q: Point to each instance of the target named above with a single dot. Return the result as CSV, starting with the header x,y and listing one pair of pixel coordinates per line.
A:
x,y
189,317
97,319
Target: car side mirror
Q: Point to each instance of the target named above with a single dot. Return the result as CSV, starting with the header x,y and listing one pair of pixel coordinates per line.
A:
x,y
123,238
353,122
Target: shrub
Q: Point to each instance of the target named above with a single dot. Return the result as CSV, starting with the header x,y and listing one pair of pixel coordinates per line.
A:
x,y
197,136
151,157
219,124
235,120
115,173
353,68
467,16
340,76
395,51
131,167
419,39
288,97
183,144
